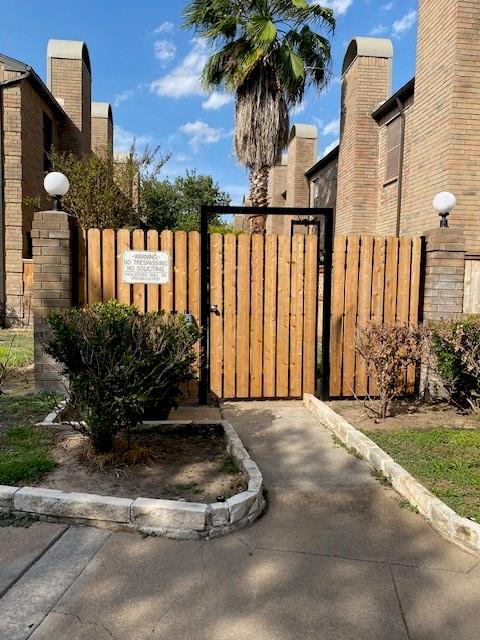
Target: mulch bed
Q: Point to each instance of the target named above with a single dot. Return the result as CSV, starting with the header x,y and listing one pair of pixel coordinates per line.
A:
x,y
408,416
187,462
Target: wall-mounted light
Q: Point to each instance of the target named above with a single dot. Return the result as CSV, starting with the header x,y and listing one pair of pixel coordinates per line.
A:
x,y
444,203
56,185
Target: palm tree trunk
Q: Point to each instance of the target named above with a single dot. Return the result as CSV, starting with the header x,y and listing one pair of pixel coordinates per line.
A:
x,y
258,197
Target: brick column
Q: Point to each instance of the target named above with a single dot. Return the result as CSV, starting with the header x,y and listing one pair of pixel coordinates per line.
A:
x,y
52,233
444,273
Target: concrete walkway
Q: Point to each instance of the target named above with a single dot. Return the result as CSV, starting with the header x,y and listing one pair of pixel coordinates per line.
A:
x,y
335,557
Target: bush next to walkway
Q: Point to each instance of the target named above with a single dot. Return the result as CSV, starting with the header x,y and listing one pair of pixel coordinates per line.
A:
x,y
119,363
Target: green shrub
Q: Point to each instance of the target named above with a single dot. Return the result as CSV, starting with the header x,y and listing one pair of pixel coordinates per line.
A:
x,y
456,348
119,362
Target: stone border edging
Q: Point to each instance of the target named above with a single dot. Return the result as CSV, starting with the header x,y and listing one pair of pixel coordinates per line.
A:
x,y
168,518
461,531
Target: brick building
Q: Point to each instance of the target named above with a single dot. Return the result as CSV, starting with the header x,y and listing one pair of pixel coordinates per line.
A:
x,y
34,118
397,151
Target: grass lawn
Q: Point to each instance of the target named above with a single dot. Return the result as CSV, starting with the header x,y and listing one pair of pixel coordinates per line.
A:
x,y
446,461
16,345
25,450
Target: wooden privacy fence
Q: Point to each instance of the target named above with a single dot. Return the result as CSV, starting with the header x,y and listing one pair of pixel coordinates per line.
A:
x,y
377,279
263,334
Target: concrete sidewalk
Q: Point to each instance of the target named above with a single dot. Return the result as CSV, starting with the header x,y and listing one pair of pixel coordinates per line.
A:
x,y
335,557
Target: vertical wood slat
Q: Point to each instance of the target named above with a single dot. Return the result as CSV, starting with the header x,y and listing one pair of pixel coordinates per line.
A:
x,y
404,276
391,280
139,289
350,320
123,244
229,316
108,264
296,315
337,319
256,319
153,290
180,271
364,302
283,316
94,286
193,293
378,291
415,283
216,319
310,314
166,290
243,317
269,318
82,267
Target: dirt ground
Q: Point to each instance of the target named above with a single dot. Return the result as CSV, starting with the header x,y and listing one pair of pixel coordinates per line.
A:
x,y
409,416
188,462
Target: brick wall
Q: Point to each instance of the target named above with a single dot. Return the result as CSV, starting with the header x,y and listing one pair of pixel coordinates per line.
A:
x,y
366,83
302,154
324,185
12,140
446,130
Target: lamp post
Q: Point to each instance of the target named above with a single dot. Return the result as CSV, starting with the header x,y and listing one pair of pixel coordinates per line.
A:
x,y
57,186
444,203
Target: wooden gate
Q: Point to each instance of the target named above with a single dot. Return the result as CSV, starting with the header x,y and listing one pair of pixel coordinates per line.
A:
x,y
374,279
263,335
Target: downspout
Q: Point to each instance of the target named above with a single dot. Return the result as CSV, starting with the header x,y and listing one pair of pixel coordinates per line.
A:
x,y
400,169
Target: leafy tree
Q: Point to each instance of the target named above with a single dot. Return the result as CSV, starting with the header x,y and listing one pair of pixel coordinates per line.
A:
x,y
176,204
268,53
104,192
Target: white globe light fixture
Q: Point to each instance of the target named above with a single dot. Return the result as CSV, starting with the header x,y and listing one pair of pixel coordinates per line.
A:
x,y
56,185
444,203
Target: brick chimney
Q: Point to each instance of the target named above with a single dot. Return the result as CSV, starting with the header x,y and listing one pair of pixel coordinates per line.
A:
x,y
70,80
102,128
446,126
302,154
277,188
366,83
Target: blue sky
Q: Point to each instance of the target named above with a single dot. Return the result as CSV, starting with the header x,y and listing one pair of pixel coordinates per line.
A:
x,y
148,68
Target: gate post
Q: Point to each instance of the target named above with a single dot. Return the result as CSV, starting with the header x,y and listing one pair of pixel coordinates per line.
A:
x,y
444,273
443,290
52,235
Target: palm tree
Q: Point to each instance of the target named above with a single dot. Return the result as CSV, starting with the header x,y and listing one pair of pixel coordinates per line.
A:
x,y
268,53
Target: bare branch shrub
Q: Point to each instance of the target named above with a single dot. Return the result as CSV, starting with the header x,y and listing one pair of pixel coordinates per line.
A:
x,y
388,350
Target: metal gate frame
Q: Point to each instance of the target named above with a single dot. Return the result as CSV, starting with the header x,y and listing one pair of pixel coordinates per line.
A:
x,y
205,308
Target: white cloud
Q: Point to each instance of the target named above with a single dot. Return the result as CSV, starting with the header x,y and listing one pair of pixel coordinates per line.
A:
x,y
330,147
402,25
122,96
182,157
331,128
200,133
123,139
379,30
216,101
299,108
164,50
165,27
184,79
340,7
388,6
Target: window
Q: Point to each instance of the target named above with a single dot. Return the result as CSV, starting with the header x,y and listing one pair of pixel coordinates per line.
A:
x,y
394,134
47,141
